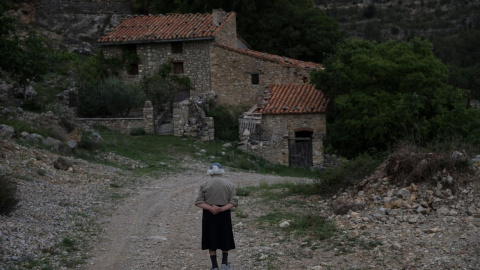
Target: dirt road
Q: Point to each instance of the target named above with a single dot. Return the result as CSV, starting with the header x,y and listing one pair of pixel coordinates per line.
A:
x,y
159,227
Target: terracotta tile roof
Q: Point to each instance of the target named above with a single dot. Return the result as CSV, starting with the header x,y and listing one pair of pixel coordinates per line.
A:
x,y
274,58
293,99
154,28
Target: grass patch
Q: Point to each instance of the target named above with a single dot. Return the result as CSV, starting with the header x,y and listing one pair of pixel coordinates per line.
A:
x,y
317,227
239,212
277,191
115,185
21,126
156,151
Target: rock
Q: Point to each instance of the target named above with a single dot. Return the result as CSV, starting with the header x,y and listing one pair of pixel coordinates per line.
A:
x,y
97,137
472,210
443,211
453,212
403,193
284,224
353,214
72,144
306,252
353,234
55,144
421,210
6,132
413,219
226,145
62,164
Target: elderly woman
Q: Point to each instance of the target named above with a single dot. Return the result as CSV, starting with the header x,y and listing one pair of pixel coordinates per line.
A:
x,y
216,196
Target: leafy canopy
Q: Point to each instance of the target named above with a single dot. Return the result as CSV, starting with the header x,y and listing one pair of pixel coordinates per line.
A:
x,y
391,91
25,59
161,87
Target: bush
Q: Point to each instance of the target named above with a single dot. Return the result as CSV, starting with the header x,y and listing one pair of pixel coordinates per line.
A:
x,y
410,165
137,131
348,174
8,195
111,97
226,120
88,142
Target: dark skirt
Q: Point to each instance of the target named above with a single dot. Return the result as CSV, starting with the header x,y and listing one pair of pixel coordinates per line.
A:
x,y
217,231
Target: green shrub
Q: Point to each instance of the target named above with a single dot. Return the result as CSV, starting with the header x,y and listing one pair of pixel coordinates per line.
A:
x,y
88,142
137,131
33,105
348,174
226,120
8,195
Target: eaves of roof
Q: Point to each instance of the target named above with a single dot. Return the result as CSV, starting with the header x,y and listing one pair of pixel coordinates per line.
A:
x,y
285,61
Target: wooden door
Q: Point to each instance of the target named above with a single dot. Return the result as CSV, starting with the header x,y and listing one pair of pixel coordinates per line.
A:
x,y
300,152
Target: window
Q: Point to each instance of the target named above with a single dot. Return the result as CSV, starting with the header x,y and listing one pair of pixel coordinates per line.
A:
x,y
177,67
133,70
131,59
177,47
255,79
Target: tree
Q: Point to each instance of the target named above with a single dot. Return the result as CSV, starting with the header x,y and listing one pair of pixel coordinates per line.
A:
x,y
120,97
387,92
29,63
161,87
462,54
8,45
24,59
90,73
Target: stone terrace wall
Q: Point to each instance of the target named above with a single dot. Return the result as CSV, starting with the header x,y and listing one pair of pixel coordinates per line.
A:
x,y
48,7
124,125
231,76
189,120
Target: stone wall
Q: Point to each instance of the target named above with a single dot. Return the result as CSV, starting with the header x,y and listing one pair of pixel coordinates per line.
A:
x,y
45,8
124,125
275,131
273,152
228,33
189,120
195,58
231,76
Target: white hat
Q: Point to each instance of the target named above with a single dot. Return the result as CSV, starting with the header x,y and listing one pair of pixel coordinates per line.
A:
x,y
215,169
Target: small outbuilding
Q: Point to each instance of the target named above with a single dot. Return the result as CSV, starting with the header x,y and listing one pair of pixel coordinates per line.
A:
x,y
288,126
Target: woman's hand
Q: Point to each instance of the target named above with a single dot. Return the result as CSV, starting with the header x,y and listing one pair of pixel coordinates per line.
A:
x,y
215,209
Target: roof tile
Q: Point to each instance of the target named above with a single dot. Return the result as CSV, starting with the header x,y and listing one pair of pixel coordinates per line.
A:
x,y
293,99
163,27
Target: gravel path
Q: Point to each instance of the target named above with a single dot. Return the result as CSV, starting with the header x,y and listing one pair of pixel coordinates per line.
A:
x,y
159,228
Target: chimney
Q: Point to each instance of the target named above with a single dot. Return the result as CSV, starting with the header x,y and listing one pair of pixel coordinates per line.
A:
x,y
218,16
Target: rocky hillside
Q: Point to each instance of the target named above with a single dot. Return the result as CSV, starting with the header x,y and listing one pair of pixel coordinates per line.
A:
x,y
403,19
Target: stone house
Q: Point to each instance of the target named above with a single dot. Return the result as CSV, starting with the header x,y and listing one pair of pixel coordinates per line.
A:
x,y
221,66
206,49
288,126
